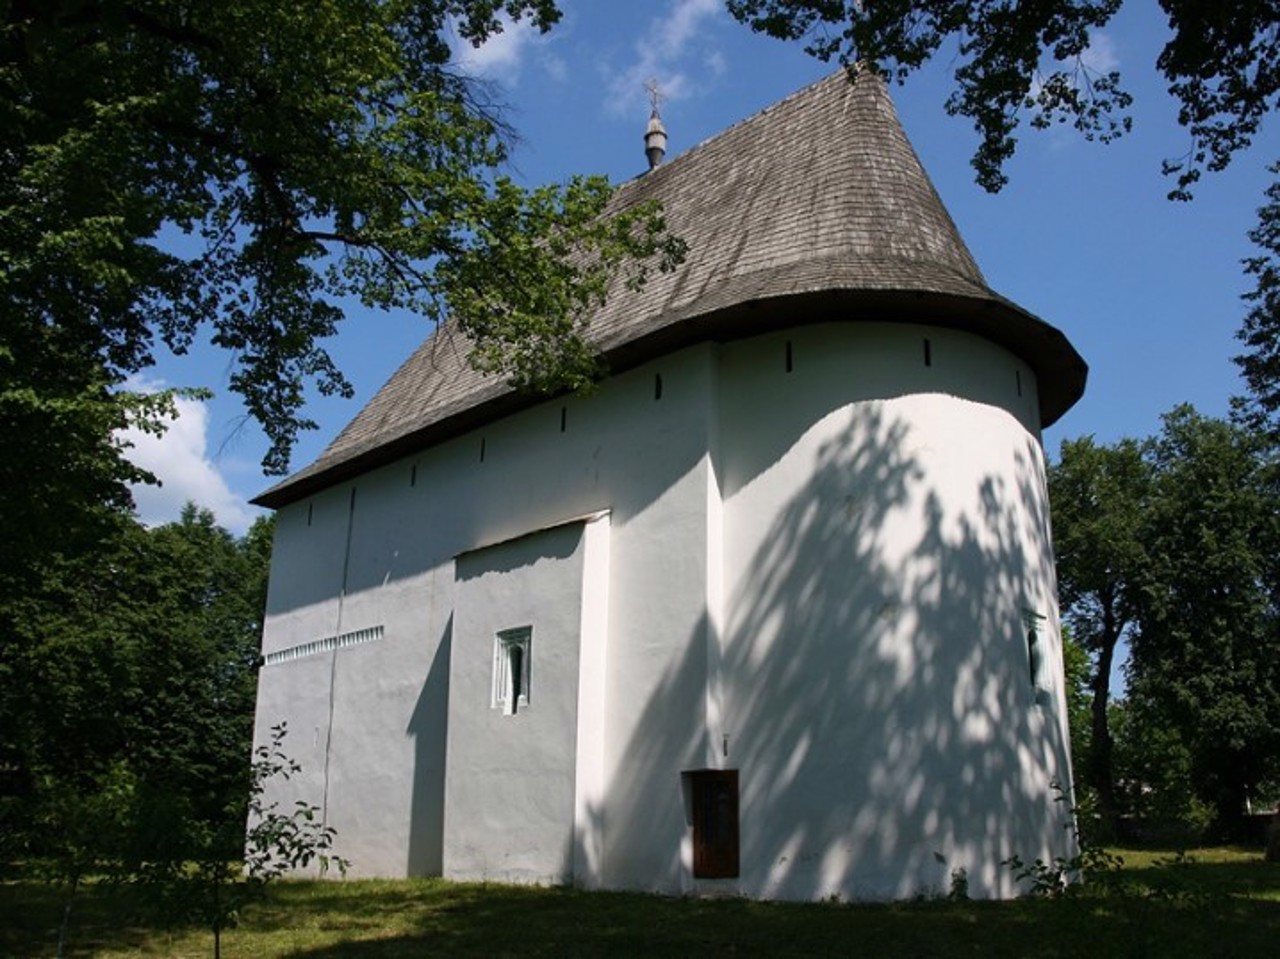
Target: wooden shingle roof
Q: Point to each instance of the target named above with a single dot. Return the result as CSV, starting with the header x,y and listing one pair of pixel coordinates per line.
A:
x,y
815,209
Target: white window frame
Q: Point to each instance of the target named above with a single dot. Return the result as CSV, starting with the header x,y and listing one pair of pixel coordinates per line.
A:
x,y
510,682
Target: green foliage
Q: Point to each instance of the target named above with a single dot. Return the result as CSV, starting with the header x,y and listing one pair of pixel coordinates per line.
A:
x,y
240,168
279,843
91,826
525,293
1076,670
1220,64
130,716
181,861
1154,774
1260,362
143,657
1029,60
1066,876
1077,676
1019,61
1173,543
64,472
1099,496
1207,653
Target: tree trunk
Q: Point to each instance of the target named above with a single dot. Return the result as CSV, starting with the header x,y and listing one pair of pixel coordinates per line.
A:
x,y
1229,813
65,924
1101,774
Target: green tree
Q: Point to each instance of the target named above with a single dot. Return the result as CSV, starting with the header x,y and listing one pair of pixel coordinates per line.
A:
x,y
129,675
1260,332
1099,497
1077,669
240,171
1155,781
309,152
141,657
1206,654
1016,60
189,876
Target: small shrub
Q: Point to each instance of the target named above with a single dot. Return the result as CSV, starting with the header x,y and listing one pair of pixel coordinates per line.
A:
x,y
1064,875
195,881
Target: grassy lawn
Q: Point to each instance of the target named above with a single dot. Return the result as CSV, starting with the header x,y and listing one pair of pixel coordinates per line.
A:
x,y
1223,902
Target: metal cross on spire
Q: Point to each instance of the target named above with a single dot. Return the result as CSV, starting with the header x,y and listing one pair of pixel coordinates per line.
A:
x,y
655,135
656,96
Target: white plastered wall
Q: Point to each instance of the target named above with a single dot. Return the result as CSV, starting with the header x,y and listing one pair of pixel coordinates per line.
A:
x,y
822,572
376,715
886,529
510,773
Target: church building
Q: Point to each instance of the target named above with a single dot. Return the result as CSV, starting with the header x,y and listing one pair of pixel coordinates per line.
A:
x,y
770,613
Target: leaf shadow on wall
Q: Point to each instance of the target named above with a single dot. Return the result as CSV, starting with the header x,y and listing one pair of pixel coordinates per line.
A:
x,y
875,688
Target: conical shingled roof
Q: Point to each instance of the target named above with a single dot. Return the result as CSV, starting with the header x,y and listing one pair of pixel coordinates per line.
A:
x,y
815,209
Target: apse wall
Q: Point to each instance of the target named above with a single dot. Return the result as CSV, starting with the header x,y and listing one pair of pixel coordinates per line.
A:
x,y
886,554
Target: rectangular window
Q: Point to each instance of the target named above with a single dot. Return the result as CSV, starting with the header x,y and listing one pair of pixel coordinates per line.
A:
x,y
715,823
511,655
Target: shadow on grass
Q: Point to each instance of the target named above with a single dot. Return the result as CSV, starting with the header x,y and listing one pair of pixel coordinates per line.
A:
x,y
497,921
1229,909
102,917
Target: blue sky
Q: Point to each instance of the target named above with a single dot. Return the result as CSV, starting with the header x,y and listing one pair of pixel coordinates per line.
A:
x,y
1148,290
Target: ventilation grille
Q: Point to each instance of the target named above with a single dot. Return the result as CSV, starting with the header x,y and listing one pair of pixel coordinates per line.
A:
x,y
342,641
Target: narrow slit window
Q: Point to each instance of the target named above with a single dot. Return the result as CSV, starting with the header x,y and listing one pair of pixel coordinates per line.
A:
x,y
482,449
928,352
413,475
657,386
1033,623
511,669
310,507
564,418
714,794
1017,374
790,365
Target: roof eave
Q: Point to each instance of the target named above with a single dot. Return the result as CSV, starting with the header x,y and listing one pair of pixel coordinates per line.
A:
x,y
1060,371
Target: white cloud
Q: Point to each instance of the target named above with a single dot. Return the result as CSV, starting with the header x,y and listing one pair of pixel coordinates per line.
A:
x,y
180,460
681,26
666,53
556,68
501,55
1101,54
504,54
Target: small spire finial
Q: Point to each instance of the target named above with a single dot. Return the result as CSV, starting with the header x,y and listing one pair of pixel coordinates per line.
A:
x,y
656,96
655,135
